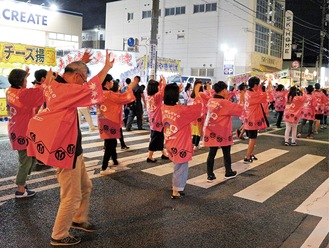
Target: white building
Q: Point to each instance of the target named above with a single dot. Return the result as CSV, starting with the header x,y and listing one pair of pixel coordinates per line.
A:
x,y
215,38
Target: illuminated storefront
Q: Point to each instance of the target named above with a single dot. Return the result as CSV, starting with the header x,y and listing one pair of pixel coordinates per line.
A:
x,y
37,29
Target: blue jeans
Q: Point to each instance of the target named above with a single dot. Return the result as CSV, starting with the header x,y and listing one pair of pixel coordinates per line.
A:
x,y
179,177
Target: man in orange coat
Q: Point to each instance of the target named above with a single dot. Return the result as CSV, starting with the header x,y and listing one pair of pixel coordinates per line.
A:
x,y
59,144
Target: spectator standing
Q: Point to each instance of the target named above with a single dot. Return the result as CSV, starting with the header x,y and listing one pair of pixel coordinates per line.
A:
x,y
22,103
323,123
85,112
125,107
187,93
218,129
177,131
136,108
62,148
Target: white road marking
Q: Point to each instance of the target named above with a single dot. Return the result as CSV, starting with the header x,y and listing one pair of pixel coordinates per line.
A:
x,y
100,153
239,167
167,168
101,143
317,204
270,185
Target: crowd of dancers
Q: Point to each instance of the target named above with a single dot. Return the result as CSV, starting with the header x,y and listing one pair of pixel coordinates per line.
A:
x,y
176,128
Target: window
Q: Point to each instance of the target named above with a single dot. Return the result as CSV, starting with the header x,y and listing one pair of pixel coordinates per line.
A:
x,y
169,11
261,39
276,44
278,15
211,7
203,72
197,8
261,11
180,10
146,14
270,11
175,11
130,16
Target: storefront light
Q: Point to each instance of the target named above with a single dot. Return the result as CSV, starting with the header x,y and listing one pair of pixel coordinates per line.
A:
x,y
53,6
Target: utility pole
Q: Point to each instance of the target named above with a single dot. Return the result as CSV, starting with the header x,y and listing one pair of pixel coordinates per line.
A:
x,y
154,40
301,63
322,35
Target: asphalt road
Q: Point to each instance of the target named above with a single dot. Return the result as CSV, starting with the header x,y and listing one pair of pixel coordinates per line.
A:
x,y
281,200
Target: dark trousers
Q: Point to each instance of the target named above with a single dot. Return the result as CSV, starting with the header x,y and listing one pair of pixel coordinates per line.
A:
x,y
126,114
310,126
211,159
122,141
110,152
196,140
138,112
279,118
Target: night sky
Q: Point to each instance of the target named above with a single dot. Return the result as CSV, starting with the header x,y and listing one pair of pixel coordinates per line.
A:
x,y
307,14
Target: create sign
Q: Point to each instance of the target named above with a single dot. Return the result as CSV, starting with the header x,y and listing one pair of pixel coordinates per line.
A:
x,y
27,54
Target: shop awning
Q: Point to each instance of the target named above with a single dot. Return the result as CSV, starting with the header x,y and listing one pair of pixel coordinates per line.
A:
x,y
27,54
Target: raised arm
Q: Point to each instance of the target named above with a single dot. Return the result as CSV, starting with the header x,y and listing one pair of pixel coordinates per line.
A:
x,y
108,65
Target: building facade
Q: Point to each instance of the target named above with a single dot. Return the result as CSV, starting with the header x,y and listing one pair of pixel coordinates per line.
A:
x,y
215,38
37,26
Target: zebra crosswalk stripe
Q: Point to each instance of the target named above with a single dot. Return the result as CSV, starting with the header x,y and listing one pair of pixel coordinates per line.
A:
x,y
270,185
317,204
239,167
101,143
167,168
101,153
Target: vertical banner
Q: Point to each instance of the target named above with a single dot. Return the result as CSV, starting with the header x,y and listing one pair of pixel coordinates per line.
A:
x,y
287,38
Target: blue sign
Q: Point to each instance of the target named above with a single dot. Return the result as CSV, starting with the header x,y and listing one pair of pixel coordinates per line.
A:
x,y
228,69
131,42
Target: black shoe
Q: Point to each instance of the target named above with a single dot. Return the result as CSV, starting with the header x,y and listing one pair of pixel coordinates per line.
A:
x,y
211,178
150,160
26,194
231,174
176,197
182,193
253,157
84,226
247,160
164,157
141,128
115,162
69,240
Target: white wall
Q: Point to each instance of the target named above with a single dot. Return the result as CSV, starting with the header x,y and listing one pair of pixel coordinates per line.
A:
x,y
204,32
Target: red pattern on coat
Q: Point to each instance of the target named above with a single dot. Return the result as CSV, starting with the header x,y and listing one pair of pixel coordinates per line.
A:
x,y
177,129
22,104
292,110
53,132
218,125
110,118
254,117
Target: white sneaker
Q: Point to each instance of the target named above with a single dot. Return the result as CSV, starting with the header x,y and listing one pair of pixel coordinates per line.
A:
x,y
107,172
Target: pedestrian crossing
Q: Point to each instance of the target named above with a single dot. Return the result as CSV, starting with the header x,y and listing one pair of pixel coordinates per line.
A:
x,y
260,191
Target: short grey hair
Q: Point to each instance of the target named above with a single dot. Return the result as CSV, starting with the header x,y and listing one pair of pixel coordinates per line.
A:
x,y
77,66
